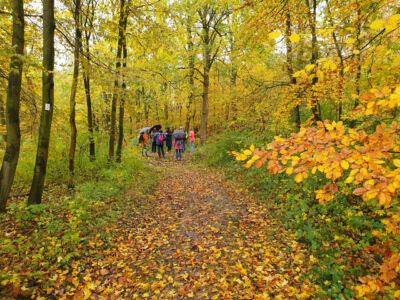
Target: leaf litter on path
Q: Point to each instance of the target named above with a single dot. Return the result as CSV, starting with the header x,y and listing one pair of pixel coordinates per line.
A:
x,y
196,237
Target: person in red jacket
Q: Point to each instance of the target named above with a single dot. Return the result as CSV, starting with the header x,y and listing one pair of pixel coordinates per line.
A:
x,y
143,143
191,139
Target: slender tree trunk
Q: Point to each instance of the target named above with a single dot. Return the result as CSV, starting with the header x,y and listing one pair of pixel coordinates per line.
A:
x,y
316,111
116,82
166,112
86,82
341,72
72,99
191,73
11,155
39,174
92,145
290,66
358,56
206,80
204,114
122,96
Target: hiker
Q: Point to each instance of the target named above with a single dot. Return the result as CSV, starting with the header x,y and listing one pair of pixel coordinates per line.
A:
x,y
179,136
191,139
178,145
142,142
153,142
160,138
168,141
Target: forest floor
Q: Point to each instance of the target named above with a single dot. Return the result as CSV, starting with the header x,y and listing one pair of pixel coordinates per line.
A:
x,y
194,235
198,237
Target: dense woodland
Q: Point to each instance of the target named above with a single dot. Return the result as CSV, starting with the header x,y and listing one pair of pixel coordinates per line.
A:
x,y
307,92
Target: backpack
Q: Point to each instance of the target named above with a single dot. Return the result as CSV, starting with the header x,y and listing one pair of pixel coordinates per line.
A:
x,y
179,142
160,138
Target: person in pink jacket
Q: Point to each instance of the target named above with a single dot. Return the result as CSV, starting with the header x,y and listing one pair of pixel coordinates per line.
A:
x,y
191,139
178,146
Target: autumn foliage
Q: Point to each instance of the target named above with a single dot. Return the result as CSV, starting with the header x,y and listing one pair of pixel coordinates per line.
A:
x,y
365,159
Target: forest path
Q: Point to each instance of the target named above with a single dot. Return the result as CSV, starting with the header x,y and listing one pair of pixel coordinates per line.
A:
x,y
197,237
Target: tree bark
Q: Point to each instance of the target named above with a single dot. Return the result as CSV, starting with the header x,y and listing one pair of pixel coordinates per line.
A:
x,y
358,56
3,117
116,82
191,73
290,67
122,96
35,195
316,111
341,72
206,73
11,155
86,82
72,101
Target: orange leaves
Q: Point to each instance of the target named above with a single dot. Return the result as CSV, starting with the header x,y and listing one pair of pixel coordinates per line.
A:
x,y
333,150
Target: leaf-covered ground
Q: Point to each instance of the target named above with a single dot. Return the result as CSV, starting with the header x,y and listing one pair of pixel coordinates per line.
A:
x,y
195,237
198,237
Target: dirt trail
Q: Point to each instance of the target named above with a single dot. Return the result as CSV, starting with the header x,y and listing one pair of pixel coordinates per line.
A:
x,y
197,237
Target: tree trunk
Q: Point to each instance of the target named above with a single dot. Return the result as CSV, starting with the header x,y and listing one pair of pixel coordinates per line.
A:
x,y
35,195
2,117
86,82
116,82
191,73
122,96
316,111
11,155
92,146
341,72
290,66
72,101
206,79
358,56
166,112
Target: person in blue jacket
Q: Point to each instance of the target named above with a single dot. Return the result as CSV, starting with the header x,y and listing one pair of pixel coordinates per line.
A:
x,y
160,139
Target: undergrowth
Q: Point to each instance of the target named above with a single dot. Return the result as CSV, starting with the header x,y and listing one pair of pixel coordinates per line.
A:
x,y
39,239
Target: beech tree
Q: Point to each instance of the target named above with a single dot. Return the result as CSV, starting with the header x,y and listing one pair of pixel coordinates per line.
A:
x,y
39,174
11,155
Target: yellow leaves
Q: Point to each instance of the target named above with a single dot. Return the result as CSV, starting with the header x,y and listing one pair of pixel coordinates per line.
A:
x,y
241,157
349,179
377,24
300,177
252,160
247,152
289,170
294,38
274,35
300,73
396,162
309,68
344,164
350,41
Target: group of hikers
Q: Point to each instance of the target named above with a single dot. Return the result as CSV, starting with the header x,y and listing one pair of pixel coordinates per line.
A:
x,y
178,138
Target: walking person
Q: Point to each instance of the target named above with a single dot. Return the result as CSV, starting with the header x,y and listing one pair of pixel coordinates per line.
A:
x,y
160,138
168,141
142,142
179,136
153,143
191,139
178,145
